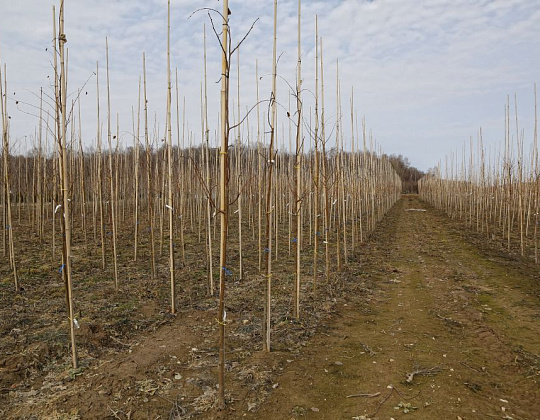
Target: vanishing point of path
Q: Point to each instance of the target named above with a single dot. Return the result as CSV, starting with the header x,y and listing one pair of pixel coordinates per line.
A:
x,y
448,330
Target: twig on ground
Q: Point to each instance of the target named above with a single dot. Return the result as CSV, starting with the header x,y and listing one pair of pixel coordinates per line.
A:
x,y
368,349
177,411
472,368
450,320
392,389
114,413
364,395
422,372
119,342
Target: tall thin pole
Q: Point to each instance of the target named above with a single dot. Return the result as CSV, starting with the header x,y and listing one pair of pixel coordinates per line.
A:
x,y
298,168
149,189
99,176
259,170
65,183
136,164
535,166
82,179
316,161
169,161
325,176
224,197
269,195
208,189
7,194
111,178
238,155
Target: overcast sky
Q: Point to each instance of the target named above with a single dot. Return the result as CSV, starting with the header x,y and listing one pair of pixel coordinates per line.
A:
x,y
427,74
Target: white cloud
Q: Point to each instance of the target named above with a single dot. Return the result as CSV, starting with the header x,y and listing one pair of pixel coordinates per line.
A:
x,y
426,74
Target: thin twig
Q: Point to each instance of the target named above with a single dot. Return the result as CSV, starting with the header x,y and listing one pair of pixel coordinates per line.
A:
x,y
382,402
392,389
472,368
119,342
422,372
364,395
114,413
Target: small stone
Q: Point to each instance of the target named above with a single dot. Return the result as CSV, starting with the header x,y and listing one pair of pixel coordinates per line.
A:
x,y
338,363
315,409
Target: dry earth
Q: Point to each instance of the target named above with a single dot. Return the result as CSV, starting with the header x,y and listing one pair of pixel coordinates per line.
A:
x,y
465,320
426,322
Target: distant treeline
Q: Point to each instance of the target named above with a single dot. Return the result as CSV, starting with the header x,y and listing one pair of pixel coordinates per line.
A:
x,y
409,174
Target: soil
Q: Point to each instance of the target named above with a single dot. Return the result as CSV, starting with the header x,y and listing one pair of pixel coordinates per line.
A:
x,y
425,321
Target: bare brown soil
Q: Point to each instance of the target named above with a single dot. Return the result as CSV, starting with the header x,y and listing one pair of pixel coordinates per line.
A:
x,y
425,322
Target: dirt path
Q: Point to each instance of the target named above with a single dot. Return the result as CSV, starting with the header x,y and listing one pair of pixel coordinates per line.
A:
x,y
466,322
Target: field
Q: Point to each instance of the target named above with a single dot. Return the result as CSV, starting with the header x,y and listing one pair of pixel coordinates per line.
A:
x,y
425,313
232,271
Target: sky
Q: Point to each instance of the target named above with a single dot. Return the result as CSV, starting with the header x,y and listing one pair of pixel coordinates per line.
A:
x,y
425,75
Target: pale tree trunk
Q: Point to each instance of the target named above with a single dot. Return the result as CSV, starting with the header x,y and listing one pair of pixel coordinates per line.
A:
x,y
65,183
7,190
269,195
223,197
298,171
